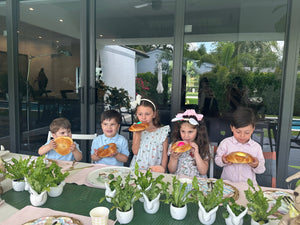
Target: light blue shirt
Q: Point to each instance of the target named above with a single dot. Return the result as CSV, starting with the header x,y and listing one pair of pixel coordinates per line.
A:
x,y
52,154
122,147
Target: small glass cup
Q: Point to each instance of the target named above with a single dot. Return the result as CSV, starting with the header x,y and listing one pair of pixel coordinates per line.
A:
x,y
99,215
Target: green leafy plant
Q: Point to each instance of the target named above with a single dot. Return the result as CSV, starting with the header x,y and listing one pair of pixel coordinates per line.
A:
x,y
117,98
55,175
211,199
18,169
178,197
143,179
126,194
235,208
258,204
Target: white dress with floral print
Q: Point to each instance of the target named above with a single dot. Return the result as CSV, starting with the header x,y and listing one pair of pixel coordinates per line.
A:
x,y
151,148
187,166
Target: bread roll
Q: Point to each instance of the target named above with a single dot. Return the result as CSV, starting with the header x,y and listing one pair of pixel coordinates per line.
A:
x,y
138,127
180,146
63,145
106,150
239,157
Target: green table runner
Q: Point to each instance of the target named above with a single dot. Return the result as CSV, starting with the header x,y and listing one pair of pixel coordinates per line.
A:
x,y
80,199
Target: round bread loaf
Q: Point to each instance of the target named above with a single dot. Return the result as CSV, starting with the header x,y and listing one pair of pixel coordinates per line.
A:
x,y
106,150
180,146
138,127
63,145
239,157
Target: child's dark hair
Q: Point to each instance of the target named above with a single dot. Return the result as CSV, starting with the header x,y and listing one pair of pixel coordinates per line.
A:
x,y
243,117
201,139
58,123
151,104
111,114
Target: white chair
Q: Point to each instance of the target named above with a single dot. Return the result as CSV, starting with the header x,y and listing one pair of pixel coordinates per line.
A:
x,y
77,136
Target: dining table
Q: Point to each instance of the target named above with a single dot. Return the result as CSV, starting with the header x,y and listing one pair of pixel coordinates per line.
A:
x,y
80,196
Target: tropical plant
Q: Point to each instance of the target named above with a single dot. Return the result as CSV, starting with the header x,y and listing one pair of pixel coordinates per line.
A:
x,y
126,194
117,98
258,204
18,169
179,197
211,199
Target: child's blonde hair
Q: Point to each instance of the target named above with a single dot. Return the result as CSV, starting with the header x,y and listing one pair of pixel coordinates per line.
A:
x,y
58,123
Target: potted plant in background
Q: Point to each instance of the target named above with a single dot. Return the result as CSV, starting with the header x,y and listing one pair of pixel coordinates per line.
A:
x,y
17,170
126,195
259,206
209,202
178,199
56,180
117,98
233,213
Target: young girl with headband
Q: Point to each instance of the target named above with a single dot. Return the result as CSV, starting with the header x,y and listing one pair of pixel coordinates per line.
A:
x,y
149,146
189,128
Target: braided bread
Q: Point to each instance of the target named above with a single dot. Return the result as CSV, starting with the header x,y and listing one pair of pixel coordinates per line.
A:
x,y
239,157
180,146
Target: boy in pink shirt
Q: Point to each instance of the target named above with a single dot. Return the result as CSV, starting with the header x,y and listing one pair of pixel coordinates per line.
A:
x,y
242,127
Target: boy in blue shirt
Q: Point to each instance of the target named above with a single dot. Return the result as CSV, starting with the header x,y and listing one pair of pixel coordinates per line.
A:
x,y
60,127
110,124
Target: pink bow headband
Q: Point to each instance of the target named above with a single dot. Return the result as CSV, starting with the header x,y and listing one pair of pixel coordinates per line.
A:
x,y
188,113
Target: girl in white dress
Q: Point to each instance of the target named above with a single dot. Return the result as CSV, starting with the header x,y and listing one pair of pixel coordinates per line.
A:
x,y
149,146
190,128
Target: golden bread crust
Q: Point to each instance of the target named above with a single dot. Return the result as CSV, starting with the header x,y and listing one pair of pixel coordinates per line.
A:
x,y
180,146
63,145
138,127
106,150
239,157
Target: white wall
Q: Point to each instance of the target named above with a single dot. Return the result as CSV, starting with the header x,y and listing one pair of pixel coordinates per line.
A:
x,y
118,67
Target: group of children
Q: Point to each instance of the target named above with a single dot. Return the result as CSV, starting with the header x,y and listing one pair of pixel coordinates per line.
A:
x,y
150,147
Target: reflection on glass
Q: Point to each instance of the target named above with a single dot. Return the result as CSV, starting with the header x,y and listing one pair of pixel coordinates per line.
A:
x,y
50,48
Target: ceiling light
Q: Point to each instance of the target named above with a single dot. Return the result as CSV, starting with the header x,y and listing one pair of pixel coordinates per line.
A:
x,y
61,20
40,37
142,5
113,40
57,41
101,35
31,9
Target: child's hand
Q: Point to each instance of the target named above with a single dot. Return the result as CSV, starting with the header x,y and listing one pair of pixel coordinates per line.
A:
x,y
94,157
255,163
195,148
114,154
52,144
224,159
72,147
175,155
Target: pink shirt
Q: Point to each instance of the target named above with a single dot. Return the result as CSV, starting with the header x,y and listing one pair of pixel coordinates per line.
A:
x,y
240,172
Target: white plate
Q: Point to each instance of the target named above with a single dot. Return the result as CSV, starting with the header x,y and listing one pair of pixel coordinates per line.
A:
x,y
2,153
100,176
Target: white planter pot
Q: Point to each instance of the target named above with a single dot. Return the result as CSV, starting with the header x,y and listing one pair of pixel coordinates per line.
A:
x,y
109,193
139,187
57,191
207,218
151,207
18,185
124,217
257,223
178,213
233,219
27,186
37,199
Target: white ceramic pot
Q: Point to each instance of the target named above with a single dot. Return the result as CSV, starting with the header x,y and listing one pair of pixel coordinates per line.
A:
x,y
178,213
37,199
57,191
139,187
151,207
18,185
207,218
124,217
233,219
109,193
27,186
253,222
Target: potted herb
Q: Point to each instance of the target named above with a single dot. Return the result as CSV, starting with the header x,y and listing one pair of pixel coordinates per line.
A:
x,y
143,180
17,170
233,213
178,199
126,195
109,188
56,180
39,179
208,202
259,206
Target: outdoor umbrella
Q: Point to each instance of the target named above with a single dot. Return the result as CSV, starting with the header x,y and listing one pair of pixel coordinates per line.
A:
x,y
159,87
